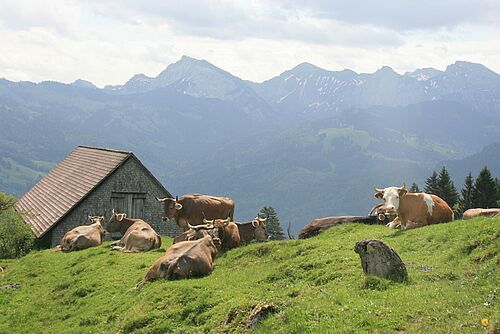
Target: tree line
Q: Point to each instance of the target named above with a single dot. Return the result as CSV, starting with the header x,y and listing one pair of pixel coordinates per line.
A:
x,y
482,192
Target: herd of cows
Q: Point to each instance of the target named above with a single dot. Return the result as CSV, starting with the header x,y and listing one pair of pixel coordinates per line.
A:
x,y
207,222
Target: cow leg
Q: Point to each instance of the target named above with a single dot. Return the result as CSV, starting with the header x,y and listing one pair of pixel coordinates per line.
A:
x,y
120,248
394,224
414,224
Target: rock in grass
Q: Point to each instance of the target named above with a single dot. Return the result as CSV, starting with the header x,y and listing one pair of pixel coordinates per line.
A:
x,y
380,260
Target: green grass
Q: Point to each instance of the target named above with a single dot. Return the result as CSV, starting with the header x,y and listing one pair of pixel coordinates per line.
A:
x,y
314,285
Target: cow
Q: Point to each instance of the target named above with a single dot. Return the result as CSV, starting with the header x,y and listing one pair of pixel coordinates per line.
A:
x,y
319,225
255,229
413,209
184,260
194,233
84,236
227,231
193,208
478,212
137,235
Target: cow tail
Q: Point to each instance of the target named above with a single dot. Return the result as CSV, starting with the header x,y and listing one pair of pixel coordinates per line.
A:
x,y
452,215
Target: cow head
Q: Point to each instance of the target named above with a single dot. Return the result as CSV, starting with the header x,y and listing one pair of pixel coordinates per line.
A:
x,y
115,221
391,197
171,207
95,219
260,228
200,231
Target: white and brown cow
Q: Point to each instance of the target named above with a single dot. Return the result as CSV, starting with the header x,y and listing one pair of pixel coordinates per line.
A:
x,y
413,209
479,212
85,236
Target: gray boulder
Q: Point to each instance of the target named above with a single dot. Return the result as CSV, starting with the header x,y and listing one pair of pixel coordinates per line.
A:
x,y
380,260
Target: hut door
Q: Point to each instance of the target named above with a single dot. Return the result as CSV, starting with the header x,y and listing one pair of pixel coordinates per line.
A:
x,y
130,203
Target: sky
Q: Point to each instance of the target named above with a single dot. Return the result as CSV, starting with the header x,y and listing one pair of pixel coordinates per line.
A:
x,y
107,42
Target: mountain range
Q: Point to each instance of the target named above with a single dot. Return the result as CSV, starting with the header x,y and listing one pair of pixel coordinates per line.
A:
x,y
310,142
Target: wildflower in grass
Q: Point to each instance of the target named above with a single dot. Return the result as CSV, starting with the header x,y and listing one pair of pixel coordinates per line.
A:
x,y
485,322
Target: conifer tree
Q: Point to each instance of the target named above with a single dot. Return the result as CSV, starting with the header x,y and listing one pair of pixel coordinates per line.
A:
x,y
431,184
446,189
414,188
273,226
466,200
485,193
497,183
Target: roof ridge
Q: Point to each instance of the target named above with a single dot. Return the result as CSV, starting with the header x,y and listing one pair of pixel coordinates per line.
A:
x,y
104,149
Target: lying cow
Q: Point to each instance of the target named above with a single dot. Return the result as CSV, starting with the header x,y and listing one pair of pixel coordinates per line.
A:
x,y
184,260
193,208
413,209
85,236
227,231
137,235
319,225
473,213
256,229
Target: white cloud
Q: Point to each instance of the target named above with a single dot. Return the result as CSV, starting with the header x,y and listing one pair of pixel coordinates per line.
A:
x,y
108,42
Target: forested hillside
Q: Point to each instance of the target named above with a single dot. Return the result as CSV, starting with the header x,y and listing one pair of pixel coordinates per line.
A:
x,y
311,136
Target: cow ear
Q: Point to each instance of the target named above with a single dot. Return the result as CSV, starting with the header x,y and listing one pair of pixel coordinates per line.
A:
x,y
379,195
255,223
402,192
178,206
120,216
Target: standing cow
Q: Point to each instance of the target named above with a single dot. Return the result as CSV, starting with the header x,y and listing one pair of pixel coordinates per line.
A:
x,y
85,236
184,260
137,235
193,208
413,209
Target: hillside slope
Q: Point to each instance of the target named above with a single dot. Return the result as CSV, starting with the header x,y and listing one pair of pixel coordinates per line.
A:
x,y
315,286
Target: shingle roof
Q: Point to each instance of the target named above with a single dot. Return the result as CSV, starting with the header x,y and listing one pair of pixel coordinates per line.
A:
x,y
67,184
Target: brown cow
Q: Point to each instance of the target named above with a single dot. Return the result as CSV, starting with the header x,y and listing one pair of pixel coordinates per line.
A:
x,y
227,232
413,209
193,208
478,212
256,229
184,260
85,236
137,235
195,232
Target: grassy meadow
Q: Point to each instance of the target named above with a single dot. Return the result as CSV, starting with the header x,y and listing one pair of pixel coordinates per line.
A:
x,y
308,286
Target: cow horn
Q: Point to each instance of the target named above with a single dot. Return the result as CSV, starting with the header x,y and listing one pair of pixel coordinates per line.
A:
x,y
161,199
206,221
201,227
378,190
176,198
